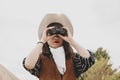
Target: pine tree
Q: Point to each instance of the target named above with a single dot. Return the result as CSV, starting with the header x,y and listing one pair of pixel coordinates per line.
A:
x,y
102,69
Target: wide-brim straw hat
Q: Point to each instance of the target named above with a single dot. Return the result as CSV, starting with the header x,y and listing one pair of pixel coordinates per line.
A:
x,y
50,18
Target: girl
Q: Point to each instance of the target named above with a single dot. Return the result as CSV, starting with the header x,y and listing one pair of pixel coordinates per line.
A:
x,y
53,57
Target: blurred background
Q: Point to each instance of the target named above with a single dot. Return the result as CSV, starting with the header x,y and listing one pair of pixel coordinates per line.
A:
x,y
96,24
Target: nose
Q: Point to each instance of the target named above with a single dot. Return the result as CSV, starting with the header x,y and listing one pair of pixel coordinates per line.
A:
x,y
56,37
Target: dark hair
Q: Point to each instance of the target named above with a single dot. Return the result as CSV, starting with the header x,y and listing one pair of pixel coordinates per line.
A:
x,y
56,24
66,45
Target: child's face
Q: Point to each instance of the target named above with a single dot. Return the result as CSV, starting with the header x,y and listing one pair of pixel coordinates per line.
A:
x,y
55,42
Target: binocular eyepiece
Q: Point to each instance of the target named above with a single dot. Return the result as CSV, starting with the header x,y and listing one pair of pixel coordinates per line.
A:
x,y
61,31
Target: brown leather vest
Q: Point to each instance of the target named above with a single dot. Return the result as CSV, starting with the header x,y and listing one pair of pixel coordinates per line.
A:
x,y
49,70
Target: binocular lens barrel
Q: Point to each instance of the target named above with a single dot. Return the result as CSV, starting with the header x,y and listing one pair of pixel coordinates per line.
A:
x,y
61,31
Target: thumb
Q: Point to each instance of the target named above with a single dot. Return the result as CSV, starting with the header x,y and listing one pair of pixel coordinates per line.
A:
x,y
61,36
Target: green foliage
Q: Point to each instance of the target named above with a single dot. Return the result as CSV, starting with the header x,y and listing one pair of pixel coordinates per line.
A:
x,y
100,53
102,69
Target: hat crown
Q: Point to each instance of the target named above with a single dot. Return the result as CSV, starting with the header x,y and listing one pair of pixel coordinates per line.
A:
x,y
51,18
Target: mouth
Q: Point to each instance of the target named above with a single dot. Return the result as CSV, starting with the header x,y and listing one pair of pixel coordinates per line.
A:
x,y
56,42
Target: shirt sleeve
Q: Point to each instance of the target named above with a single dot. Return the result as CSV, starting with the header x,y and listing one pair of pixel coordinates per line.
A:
x,y
36,70
82,64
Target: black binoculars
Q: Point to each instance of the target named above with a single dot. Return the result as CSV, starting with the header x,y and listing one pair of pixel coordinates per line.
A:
x,y
61,31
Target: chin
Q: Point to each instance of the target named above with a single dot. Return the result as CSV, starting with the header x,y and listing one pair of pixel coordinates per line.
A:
x,y
55,46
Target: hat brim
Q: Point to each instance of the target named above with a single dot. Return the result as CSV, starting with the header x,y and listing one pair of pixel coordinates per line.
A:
x,y
50,18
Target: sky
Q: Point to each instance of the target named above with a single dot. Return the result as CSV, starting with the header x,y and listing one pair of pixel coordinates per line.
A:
x,y
96,24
